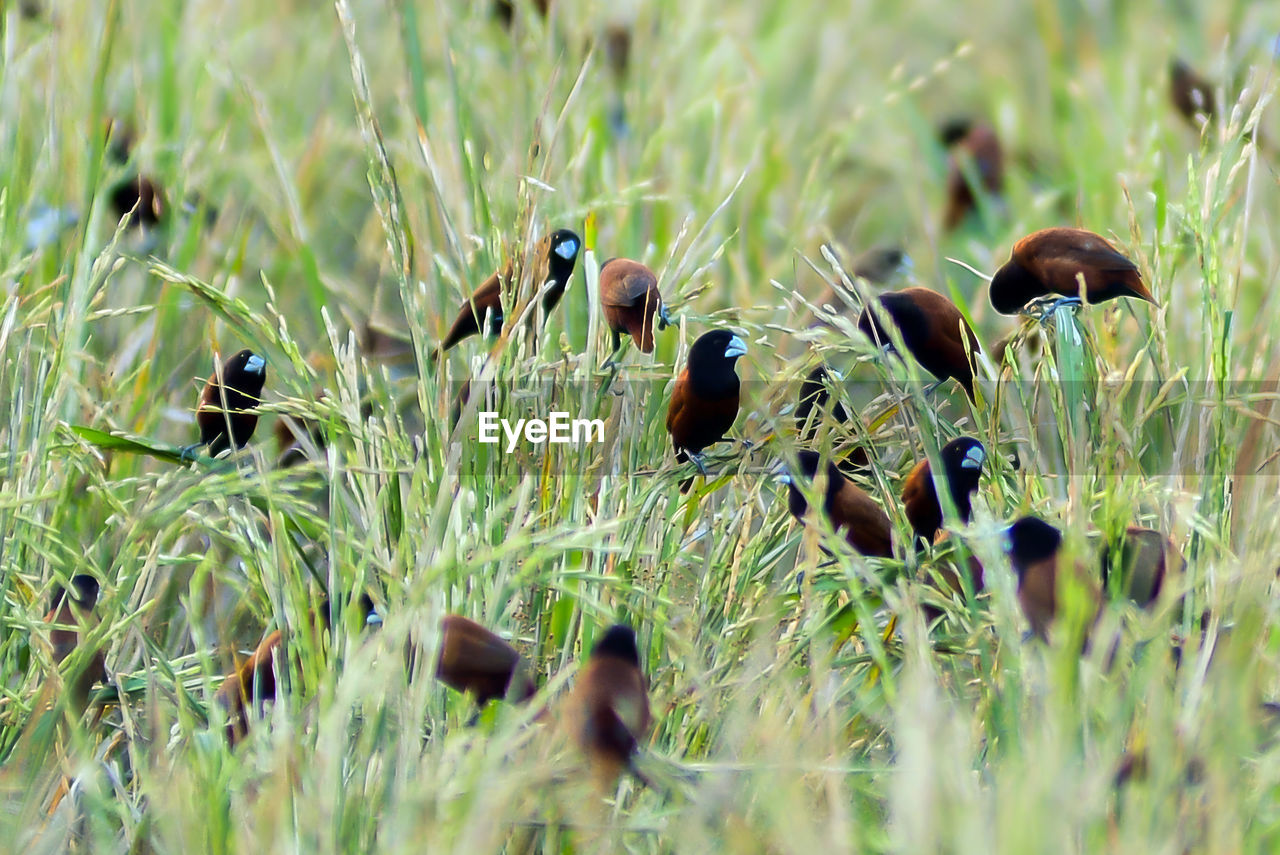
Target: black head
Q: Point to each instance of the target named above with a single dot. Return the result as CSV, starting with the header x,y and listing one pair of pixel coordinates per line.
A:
x,y
1029,540
711,362
1013,287
246,372
815,394
954,129
562,253
912,324
620,643
808,463
962,460
84,592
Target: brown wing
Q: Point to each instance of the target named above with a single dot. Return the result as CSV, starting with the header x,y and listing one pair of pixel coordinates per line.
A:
x,y
474,659
920,500
676,410
868,529
255,677
1038,595
609,714
487,299
1057,256
1148,557
631,284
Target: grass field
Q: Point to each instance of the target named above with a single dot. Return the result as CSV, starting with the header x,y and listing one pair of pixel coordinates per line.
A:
x,y
374,165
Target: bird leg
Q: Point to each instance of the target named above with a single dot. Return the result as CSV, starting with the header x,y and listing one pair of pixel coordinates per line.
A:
x,y
664,319
1043,309
611,364
933,387
698,462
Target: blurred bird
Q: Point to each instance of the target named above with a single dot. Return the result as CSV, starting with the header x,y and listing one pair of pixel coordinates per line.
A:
x,y
225,412
962,461
1033,545
704,400
877,266
1146,558
476,661
554,257
505,10
815,399
608,710
933,331
975,150
864,523
629,298
134,195
71,613
245,692
1053,262
1191,94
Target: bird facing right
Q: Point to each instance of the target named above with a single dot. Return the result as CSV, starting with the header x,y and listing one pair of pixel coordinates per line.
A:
x,y
608,710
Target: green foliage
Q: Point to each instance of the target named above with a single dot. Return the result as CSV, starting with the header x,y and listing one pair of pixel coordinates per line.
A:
x,y
368,168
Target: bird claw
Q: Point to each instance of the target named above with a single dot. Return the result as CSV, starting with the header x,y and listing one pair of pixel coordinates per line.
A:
x,y
1043,310
698,463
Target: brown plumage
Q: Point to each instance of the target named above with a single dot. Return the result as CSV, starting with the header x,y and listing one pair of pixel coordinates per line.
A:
x,y
245,691
1191,94
630,299
608,710
1033,545
230,402
962,461
71,613
476,661
851,511
554,257
814,401
976,148
933,331
704,400
1145,559
1049,262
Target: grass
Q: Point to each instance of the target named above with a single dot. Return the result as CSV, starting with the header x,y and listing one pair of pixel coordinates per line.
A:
x,y
378,162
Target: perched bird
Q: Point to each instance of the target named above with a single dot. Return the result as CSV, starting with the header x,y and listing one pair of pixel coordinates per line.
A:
x,y
1032,545
253,682
476,661
608,710
135,195
864,523
815,398
71,612
629,298
225,413
962,461
555,257
1052,262
933,331
1192,95
975,150
704,400
1145,559
877,265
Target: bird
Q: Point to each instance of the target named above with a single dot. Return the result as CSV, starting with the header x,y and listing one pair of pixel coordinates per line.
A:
x,y
252,683
1146,558
475,661
1191,94
224,413
815,399
134,195
975,150
704,400
629,298
555,257
1052,261
933,331
608,709
1032,546
876,265
70,614
865,525
962,460
505,10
